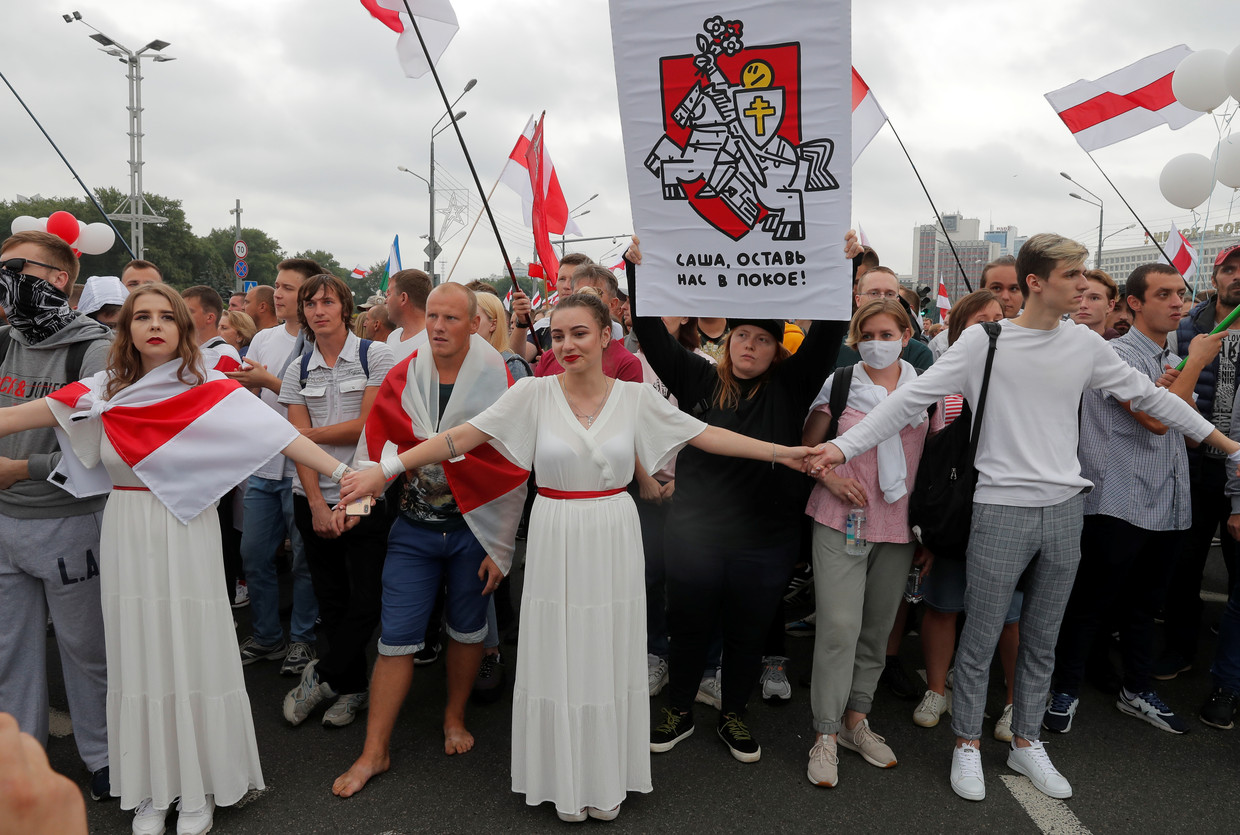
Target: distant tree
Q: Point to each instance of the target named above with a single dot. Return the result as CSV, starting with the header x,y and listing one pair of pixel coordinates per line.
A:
x,y
264,253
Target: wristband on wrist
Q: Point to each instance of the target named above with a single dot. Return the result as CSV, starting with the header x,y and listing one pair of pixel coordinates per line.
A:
x,y
339,472
391,466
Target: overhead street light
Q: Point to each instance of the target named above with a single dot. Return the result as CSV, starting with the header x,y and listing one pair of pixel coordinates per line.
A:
x,y
1068,177
432,247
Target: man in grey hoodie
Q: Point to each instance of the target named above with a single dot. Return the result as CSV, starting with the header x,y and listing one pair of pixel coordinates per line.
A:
x,y
49,540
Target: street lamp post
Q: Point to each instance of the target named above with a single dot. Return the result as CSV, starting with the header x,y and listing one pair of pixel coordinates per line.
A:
x,y
1098,254
139,212
432,247
563,242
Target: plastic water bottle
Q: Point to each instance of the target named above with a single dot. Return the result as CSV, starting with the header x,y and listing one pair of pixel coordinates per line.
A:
x,y
854,532
912,589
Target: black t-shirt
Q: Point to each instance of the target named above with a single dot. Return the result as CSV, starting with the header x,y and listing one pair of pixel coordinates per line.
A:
x,y
426,499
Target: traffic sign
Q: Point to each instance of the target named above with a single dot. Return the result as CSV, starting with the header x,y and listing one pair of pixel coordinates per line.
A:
x,y
242,269
247,286
433,245
240,249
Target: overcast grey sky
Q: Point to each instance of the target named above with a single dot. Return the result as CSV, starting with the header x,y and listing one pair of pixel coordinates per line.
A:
x,y
300,109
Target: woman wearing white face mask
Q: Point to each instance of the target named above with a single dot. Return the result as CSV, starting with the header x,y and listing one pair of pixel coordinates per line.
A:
x,y
858,593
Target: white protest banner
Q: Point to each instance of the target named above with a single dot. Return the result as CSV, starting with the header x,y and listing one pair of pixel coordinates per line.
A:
x,y
737,140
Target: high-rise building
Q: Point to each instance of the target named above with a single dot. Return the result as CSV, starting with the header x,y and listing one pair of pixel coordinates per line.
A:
x,y
933,260
1118,263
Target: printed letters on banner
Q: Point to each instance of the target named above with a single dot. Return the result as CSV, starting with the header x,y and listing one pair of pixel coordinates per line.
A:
x,y
737,139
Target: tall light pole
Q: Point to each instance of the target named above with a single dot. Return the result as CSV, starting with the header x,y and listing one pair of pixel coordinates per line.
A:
x,y
1098,254
139,212
563,239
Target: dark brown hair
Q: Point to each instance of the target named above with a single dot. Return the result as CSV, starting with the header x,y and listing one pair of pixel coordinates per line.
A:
x,y
303,266
55,251
965,309
310,288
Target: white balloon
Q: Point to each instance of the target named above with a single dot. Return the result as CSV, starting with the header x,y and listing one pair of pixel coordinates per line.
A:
x,y
1226,159
26,223
96,238
1198,81
1187,180
1231,73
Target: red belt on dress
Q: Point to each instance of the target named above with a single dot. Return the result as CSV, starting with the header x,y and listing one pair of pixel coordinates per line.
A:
x,y
126,487
579,494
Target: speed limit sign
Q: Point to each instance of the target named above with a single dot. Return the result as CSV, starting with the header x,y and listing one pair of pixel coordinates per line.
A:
x,y
240,249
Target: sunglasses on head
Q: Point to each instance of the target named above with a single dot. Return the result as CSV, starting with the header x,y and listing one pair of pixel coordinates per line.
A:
x,y
18,265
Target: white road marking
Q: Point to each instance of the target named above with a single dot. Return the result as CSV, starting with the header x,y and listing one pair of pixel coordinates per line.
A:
x,y
1213,597
59,724
1051,816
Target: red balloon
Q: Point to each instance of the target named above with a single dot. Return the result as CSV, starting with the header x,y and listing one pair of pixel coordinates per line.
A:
x,y
64,226
77,253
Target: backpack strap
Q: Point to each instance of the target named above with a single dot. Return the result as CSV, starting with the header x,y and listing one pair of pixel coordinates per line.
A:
x,y
305,367
363,356
838,402
992,331
73,364
6,339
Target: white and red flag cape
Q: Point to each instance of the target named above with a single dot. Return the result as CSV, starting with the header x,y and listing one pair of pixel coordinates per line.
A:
x,y
516,175
1182,254
487,487
170,434
436,19
1124,103
868,117
943,302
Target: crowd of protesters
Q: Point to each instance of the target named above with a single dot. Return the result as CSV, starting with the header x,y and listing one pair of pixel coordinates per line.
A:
x,y
675,480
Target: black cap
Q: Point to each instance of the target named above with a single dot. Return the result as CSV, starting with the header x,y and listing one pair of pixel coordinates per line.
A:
x,y
774,326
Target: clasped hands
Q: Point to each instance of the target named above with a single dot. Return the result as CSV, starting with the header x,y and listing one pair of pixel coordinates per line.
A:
x,y
814,461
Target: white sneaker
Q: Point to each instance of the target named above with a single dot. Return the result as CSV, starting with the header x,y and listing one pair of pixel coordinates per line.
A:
x,y
1003,728
1034,763
967,779
307,695
774,680
345,709
931,708
656,673
710,691
196,823
147,820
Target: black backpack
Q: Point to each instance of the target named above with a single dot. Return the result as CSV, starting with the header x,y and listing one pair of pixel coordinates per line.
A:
x,y
940,508
363,352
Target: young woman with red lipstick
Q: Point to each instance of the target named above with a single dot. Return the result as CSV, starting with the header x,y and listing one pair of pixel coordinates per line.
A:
x,y
580,708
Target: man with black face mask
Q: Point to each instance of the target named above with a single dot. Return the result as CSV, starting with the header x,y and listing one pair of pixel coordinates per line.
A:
x,y
49,539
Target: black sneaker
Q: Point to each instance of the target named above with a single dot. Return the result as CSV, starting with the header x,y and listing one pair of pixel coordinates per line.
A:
x,y
427,655
1219,711
252,650
101,785
801,584
735,734
1168,667
897,680
675,727
488,686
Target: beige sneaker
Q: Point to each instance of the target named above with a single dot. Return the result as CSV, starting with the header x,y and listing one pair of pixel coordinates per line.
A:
x,y
872,747
1003,728
931,708
824,762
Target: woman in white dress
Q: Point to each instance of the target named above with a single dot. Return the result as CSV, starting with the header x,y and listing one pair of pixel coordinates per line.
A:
x,y
581,720
179,721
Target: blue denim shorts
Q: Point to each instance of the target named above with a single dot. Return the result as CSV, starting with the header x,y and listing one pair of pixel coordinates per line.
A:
x,y
419,562
944,590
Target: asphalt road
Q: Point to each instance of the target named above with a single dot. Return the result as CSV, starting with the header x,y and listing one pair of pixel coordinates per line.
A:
x,y
1127,775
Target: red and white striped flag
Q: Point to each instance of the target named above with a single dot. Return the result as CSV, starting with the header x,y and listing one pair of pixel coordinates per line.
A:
x,y
436,20
537,300
943,303
359,272
553,299
516,175
1124,103
1182,254
868,117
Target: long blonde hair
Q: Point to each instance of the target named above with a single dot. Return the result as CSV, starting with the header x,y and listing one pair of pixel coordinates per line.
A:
x,y
494,309
124,360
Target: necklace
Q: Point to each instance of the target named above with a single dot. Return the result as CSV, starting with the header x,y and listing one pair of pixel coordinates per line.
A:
x,y
589,419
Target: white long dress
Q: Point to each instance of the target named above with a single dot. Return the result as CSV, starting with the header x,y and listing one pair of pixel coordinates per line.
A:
x,y
581,705
179,722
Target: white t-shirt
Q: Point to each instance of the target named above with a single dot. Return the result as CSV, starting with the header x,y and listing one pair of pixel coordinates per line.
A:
x,y
271,348
404,348
1027,452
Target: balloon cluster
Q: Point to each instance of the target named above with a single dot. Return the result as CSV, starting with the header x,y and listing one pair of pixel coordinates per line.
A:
x,y
1202,82
85,238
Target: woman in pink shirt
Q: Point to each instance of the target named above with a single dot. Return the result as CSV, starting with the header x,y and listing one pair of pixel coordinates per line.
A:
x,y
859,585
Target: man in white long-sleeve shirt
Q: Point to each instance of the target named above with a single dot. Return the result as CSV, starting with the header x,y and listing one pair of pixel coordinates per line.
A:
x,y
1028,502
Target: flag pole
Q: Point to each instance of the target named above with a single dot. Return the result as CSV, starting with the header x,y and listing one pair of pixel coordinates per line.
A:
x,y
475,226
937,216
486,205
1148,233
56,148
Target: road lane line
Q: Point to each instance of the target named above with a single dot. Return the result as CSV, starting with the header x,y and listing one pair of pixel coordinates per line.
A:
x,y
1051,816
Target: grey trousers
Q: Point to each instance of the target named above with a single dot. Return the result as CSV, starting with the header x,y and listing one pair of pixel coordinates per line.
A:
x,y
51,565
1003,541
857,600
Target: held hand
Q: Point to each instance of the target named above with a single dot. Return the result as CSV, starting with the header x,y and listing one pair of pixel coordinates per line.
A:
x,y
1169,376
668,490
357,484
852,246
343,522
794,457
252,375
490,573
34,800
520,306
1205,346
845,489
634,252
925,558
827,457
649,489
323,520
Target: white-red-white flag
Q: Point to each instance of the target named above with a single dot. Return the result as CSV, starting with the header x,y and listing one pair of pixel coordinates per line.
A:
x,y
1182,254
359,272
436,20
516,175
1124,103
554,298
868,117
943,303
